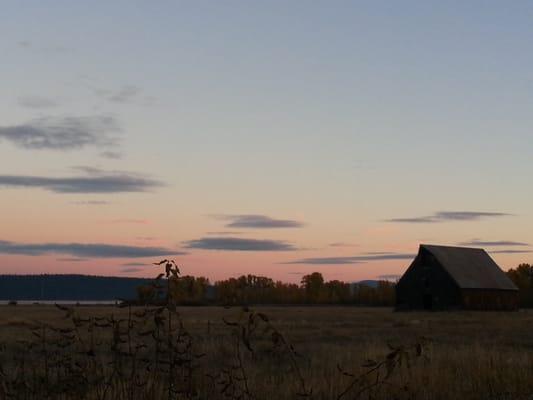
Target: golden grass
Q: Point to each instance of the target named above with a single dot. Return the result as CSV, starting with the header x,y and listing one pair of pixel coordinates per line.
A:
x,y
471,355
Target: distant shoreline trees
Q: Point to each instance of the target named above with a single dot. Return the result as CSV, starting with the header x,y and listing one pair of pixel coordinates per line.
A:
x,y
190,290
252,289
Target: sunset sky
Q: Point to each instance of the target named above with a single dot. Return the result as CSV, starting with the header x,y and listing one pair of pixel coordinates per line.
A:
x,y
274,138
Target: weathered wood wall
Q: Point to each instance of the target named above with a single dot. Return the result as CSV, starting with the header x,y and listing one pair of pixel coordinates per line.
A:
x,y
487,299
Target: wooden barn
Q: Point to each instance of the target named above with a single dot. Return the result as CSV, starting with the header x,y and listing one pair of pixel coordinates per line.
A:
x,y
447,278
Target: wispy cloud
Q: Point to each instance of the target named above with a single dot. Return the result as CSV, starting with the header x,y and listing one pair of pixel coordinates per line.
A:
x,y
95,171
131,270
112,155
509,251
36,102
488,243
101,182
68,133
257,221
353,259
443,216
326,261
135,264
223,233
414,220
126,94
72,259
468,215
342,244
83,250
238,244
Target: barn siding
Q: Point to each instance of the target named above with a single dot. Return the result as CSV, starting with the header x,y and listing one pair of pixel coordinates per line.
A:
x,y
489,299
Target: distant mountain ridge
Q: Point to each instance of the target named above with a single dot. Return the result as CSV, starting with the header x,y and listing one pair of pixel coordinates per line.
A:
x,y
369,282
68,287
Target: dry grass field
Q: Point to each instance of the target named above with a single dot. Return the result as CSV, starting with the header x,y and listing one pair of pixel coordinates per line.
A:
x,y
466,355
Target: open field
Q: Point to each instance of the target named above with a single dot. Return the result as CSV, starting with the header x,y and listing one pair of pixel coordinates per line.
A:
x,y
468,355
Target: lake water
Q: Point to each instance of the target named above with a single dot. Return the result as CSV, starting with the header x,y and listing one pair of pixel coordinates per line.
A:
x,y
64,302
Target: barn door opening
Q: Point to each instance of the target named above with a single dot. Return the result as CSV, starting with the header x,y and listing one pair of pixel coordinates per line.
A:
x,y
428,302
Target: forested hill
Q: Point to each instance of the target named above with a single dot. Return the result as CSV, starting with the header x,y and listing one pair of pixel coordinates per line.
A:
x,y
68,287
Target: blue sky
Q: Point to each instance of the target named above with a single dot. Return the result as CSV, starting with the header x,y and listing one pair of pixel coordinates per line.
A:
x,y
339,115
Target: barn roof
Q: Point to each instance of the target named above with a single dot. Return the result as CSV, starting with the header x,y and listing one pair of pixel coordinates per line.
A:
x,y
470,268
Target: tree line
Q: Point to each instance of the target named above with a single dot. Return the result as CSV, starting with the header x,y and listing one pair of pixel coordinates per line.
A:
x,y
252,289
522,276
312,289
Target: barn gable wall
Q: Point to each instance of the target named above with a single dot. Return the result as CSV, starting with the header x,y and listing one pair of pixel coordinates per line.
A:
x,y
427,285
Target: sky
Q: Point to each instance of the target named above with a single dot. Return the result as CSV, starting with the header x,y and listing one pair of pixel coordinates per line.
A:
x,y
273,138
